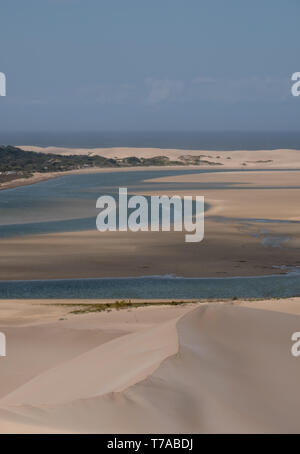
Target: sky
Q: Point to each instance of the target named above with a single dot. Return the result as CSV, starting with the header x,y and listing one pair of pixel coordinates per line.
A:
x,y
155,65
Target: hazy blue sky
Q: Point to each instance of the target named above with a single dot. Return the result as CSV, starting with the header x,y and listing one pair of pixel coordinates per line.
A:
x,y
149,64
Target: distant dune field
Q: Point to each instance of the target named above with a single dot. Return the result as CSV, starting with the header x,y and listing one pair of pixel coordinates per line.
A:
x,y
231,159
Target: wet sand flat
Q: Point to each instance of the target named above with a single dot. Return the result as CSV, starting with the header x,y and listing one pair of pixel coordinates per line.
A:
x,y
234,244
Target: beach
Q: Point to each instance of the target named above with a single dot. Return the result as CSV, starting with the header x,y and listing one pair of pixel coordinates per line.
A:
x,y
193,368
184,366
250,229
226,251
235,159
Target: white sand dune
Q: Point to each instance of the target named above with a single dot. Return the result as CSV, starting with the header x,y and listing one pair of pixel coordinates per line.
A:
x,y
233,372
280,158
111,367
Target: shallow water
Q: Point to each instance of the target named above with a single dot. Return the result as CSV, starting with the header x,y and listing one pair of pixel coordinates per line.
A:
x,y
155,287
68,204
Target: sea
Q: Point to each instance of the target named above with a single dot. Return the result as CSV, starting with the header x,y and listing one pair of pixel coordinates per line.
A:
x,y
190,140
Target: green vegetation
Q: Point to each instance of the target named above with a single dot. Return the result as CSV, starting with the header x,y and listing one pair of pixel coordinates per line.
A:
x,y
11,176
18,163
15,160
155,161
83,308
198,160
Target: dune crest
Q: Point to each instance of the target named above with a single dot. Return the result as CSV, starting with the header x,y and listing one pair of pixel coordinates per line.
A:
x,y
111,367
233,373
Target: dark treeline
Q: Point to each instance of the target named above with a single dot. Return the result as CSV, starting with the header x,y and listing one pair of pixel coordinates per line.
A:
x,y
14,159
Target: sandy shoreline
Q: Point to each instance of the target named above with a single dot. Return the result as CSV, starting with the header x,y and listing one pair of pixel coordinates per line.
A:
x,y
241,159
220,367
226,251
39,177
234,244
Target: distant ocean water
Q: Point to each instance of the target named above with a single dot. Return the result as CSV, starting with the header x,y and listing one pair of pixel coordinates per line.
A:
x,y
181,140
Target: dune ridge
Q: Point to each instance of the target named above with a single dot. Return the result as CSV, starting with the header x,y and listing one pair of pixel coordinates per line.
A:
x,y
277,158
126,360
231,372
